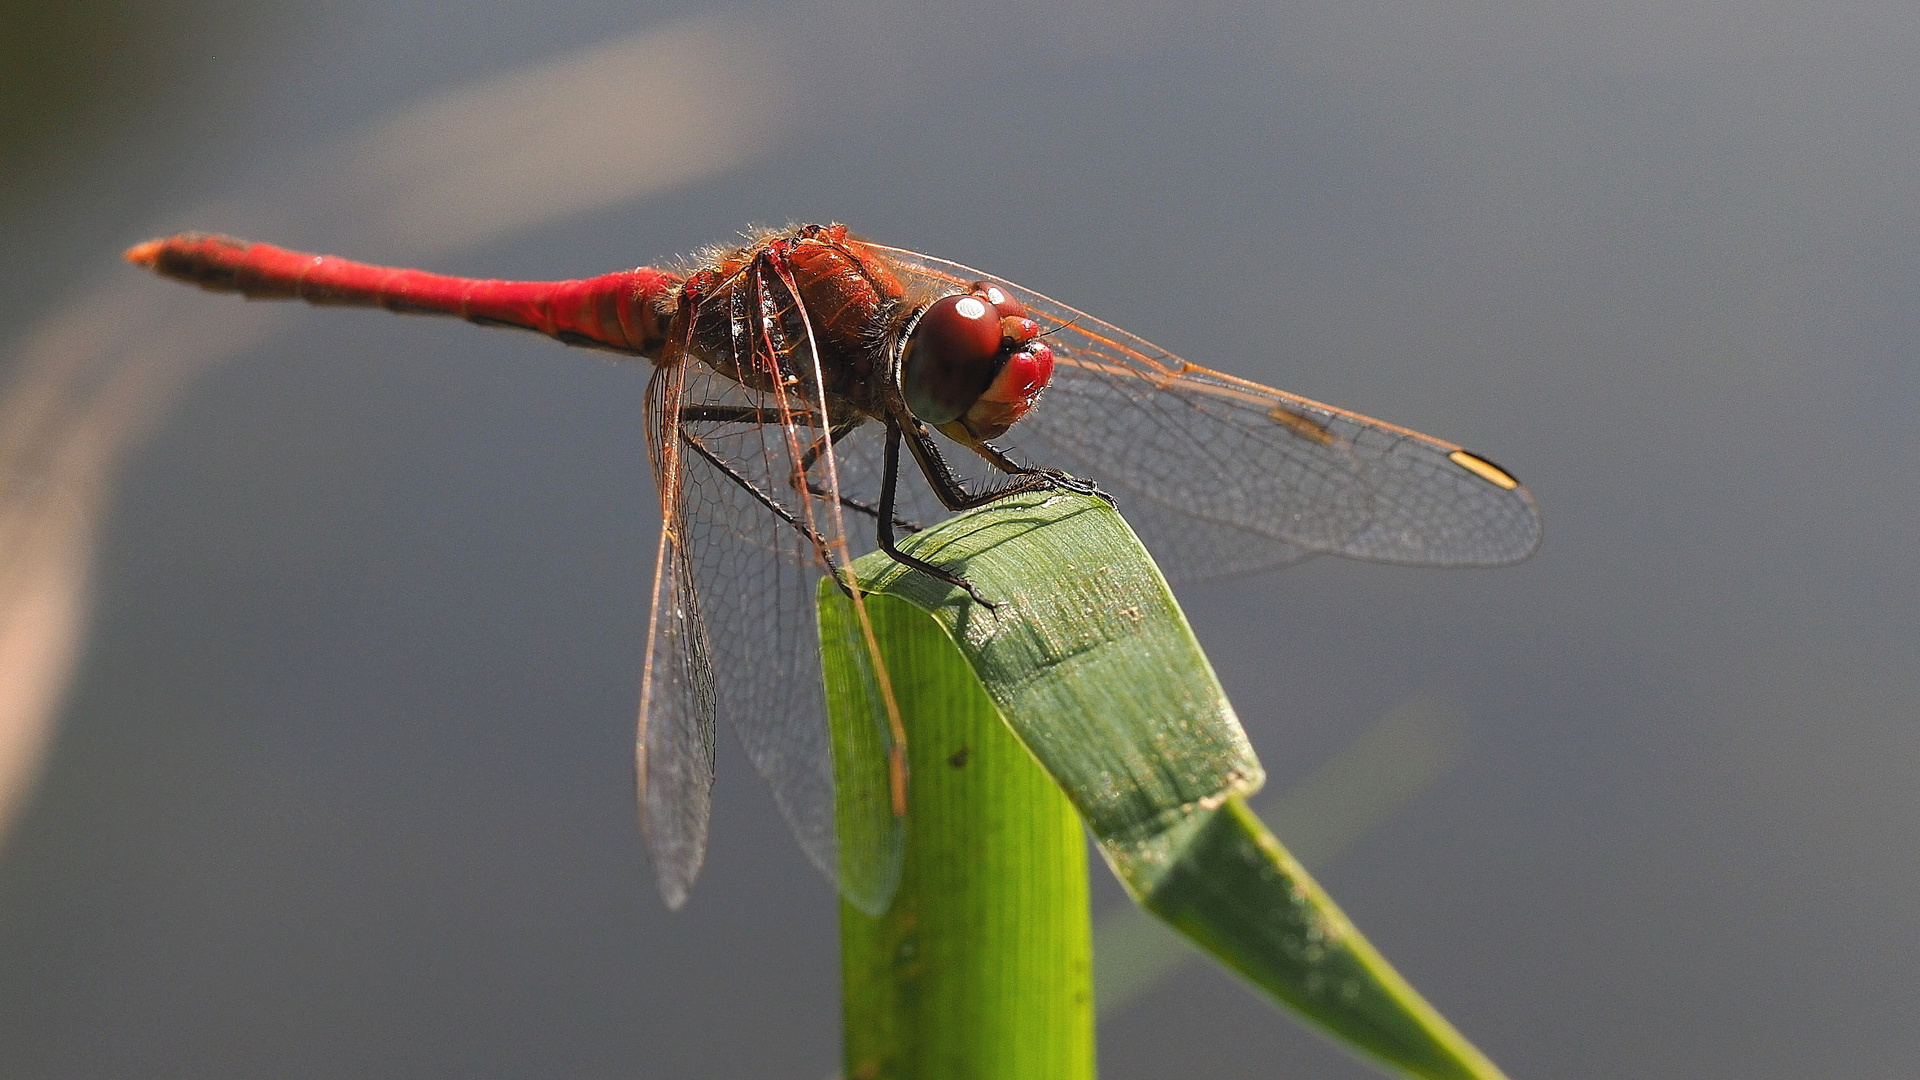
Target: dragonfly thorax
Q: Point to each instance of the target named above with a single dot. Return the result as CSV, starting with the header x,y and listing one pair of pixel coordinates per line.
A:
x,y
763,313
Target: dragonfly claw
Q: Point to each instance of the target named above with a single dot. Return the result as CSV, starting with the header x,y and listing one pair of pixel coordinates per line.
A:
x,y
1079,485
990,605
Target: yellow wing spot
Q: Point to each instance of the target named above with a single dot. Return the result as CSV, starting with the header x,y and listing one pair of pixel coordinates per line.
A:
x,y
1484,469
1304,426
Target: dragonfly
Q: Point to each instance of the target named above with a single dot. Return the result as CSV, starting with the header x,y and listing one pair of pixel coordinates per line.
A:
x,y
789,371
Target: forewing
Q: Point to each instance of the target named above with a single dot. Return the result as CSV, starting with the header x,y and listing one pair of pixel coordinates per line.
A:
x,y
757,545
673,750
1221,475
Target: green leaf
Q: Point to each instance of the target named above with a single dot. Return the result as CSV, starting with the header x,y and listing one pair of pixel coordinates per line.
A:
x,y
981,967
1388,765
1090,663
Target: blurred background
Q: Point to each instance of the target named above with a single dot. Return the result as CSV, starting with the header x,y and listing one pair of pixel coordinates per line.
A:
x,y
321,629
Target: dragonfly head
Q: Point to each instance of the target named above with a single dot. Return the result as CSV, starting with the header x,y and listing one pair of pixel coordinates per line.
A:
x,y
973,363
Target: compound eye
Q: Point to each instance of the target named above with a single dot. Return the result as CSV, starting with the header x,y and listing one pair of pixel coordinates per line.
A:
x,y
952,357
1009,307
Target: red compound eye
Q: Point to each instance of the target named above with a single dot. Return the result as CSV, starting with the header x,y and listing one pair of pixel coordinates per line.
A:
x,y
1008,307
951,357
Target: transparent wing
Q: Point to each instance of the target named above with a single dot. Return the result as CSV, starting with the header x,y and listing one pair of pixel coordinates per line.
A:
x,y
1221,475
756,543
673,750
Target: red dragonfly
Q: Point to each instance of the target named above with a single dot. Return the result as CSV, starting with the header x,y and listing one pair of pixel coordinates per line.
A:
x,y
788,372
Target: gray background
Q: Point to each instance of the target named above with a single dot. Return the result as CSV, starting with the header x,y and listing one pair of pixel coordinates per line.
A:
x,y
342,784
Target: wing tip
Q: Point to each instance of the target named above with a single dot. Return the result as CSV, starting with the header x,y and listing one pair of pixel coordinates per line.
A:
x,y
676,860
673,893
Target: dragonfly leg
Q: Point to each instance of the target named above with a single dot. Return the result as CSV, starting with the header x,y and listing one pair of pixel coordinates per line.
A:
x,y
825,442
887,488
1059,478
813,487
739,414
865,508
947,486
753,414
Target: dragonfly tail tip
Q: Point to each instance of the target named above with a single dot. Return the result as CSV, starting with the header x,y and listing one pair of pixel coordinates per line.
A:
x,y
146,254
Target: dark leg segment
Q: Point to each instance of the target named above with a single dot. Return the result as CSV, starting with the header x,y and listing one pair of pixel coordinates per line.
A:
x,y
948,488
1059,479
813,488
739,414
887,486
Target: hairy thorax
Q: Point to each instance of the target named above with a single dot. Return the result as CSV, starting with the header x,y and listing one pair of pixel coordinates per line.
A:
x,y
762,311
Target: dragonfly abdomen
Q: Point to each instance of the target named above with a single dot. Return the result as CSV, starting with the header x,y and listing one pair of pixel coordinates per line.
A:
x,y
623,312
